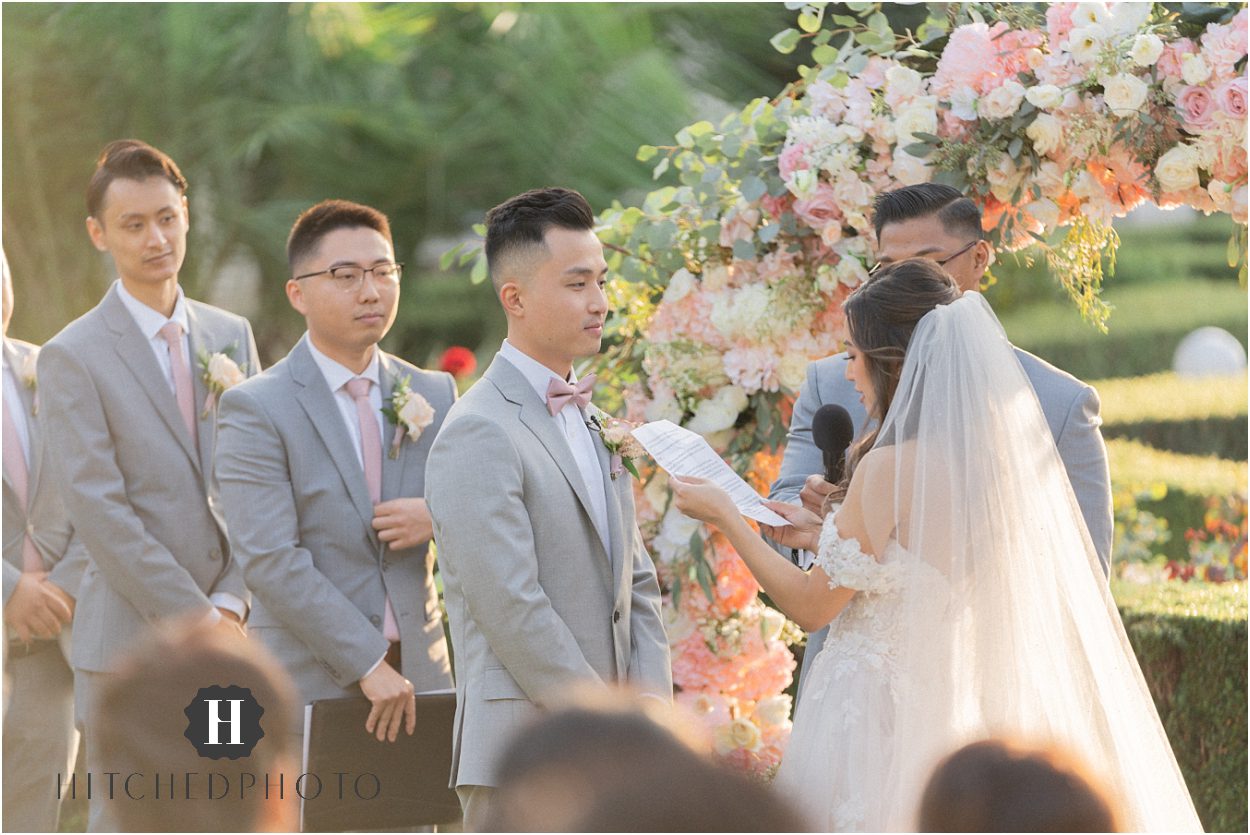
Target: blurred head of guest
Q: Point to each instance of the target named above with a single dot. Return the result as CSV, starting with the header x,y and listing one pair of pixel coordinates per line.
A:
x,y
999,785
142,722
611,762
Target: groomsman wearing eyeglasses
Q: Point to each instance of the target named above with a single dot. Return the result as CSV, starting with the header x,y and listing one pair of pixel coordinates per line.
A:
x,y
124,397
321,461
43,565
936,221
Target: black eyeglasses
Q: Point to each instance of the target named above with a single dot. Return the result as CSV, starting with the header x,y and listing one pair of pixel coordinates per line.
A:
x,y
941,263
349,277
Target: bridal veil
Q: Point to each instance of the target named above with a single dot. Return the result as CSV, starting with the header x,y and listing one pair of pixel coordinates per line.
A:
x,y
1015,632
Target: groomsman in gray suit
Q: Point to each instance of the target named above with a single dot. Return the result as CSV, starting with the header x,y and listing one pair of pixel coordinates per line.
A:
x,y
323,491
546,579
43,564
936,221
125,394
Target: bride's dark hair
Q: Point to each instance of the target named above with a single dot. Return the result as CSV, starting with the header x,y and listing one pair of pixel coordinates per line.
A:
x,y
880,317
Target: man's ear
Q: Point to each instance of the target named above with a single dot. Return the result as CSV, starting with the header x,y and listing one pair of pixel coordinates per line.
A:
x,y
186,211
95,231
982,255
512,299
295,295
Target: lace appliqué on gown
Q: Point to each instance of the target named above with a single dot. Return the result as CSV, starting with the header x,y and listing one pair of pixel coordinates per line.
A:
x,y
836,763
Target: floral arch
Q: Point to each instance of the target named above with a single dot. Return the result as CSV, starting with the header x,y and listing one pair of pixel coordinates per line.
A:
x,y
733,279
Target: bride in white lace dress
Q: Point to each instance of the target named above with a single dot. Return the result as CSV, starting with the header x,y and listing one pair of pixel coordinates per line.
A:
x,y
965,594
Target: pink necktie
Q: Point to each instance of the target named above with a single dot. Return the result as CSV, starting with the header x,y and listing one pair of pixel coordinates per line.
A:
x,y
371,455
15,464
560,393
172,332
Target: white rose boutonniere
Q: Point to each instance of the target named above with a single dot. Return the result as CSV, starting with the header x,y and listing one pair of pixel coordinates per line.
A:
x,y
27,375
617,436
219,372
409,411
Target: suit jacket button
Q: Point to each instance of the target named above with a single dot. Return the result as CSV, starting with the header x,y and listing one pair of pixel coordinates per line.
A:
x,y
616,617
375,620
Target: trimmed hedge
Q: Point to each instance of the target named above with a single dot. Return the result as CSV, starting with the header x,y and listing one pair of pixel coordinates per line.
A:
x,y
1205,416
1146,325
1191,643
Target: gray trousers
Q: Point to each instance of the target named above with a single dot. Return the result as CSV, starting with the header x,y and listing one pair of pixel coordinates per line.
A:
x,y
40,741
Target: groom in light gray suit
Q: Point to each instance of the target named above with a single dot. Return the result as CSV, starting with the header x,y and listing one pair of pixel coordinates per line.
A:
x,y
547,581
936,221
323,493
124,395
43,564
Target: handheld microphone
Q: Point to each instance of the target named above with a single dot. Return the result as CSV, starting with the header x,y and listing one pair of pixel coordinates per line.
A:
x,y
832,432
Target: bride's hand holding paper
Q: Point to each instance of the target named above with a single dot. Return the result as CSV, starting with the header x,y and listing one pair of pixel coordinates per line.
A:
x,y
700,499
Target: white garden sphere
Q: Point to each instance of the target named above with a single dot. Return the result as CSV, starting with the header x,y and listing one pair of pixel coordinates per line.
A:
x,y
1207,352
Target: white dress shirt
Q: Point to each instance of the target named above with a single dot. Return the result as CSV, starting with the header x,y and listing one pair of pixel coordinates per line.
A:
x,y
337,376
17,410
572,423
150,323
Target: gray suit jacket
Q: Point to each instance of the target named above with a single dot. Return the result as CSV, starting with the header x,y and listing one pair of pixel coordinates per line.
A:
x,y
535,603
139,496
300,522
64,556
1071,410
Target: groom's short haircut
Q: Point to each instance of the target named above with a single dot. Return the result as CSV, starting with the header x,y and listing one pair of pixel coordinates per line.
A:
x,y
315,223
958,214
129,159
518,225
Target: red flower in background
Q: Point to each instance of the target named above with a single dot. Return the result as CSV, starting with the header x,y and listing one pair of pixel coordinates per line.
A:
x,y
458,361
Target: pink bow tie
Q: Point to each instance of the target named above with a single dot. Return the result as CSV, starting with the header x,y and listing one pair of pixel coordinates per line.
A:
x,y
559,393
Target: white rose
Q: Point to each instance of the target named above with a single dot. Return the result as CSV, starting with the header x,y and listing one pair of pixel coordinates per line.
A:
x,y
1044,96
771,623
774,710
1004,178
792,371
1177,170
1086,42
1146,49
1002,102
738,733
672,541
902,82
850,271
964,103
802,183
910,170
1035,58
1045,211
664,408
920,117
719,412
1194,69
1046,134
679,286
1124,94
1086,14
416,414
1127,18
224,372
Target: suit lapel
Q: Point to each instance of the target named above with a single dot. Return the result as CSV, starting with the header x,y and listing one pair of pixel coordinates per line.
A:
x,y
392,468
318,403
616,528
513,385
136,354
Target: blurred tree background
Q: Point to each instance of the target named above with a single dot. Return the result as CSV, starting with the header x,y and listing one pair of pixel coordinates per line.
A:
x,y
431,112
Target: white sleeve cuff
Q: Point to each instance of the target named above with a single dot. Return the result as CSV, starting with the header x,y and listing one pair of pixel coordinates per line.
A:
x,y
227,601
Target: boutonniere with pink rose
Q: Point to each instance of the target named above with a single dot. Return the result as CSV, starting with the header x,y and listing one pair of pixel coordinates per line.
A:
x,y
409,411
617,435
27,374
219,372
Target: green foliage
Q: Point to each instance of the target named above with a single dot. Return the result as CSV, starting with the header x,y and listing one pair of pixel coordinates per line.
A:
x,y
1135,463
1191,643
1203,416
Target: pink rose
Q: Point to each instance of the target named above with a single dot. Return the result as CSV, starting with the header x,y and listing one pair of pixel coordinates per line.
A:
x,y
792,159
1196,106
820,209
1058,22
1231,97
